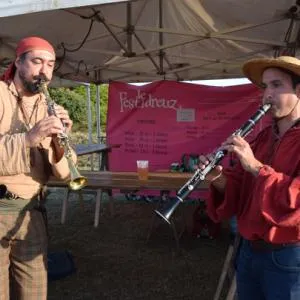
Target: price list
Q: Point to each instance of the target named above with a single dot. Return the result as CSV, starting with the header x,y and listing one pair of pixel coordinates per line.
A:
x,y
146,142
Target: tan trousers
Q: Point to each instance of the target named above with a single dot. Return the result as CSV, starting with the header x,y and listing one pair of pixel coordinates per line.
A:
x,y
23,256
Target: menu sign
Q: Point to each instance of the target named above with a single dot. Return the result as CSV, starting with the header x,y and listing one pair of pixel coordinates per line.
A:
x,y
161,121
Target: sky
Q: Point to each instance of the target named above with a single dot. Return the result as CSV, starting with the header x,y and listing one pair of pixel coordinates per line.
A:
x,y
222,82
215,82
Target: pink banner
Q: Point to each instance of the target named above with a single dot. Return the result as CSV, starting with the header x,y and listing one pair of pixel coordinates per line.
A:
x,y
162,120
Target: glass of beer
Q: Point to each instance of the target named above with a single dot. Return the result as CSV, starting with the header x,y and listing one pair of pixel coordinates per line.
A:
x,y
142,169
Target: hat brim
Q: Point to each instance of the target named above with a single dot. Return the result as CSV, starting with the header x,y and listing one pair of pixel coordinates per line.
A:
x,y
253,69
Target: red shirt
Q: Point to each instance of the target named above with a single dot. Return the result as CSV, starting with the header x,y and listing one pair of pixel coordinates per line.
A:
x,y
267,206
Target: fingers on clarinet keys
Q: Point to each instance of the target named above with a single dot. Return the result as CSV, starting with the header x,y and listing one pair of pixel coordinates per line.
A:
x,y
204,161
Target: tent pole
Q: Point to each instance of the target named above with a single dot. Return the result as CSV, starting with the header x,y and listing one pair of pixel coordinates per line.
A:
x,y
98,119
129,29
89,115
161,39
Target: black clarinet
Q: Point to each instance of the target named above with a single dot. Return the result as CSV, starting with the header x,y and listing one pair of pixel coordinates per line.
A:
x,y
166,211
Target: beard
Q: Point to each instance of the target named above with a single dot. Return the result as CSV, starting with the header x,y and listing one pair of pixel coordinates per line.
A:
x,y
32,86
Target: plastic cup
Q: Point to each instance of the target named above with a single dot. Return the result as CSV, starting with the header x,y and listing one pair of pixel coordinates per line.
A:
x,y
142,169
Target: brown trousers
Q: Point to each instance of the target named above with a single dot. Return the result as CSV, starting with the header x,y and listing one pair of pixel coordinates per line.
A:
x,y
23,256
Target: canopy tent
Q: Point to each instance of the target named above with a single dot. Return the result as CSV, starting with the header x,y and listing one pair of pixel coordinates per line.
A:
x,y
147,40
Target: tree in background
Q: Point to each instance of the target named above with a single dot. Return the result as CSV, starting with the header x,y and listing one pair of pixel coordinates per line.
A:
x,y
75,101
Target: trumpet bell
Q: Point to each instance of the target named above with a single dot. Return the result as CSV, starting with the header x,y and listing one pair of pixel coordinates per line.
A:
x,y
78,183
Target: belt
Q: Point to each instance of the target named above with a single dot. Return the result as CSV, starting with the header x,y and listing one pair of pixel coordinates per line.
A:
x,y
263,246
12,203
5,194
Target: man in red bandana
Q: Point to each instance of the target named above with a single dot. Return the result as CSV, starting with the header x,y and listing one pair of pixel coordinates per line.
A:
x,y
30,152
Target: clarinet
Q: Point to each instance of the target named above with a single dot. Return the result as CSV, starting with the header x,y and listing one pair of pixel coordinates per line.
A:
x,y
77,181
218,155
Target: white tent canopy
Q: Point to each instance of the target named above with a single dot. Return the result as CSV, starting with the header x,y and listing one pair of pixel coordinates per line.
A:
x,y
147,40
20,7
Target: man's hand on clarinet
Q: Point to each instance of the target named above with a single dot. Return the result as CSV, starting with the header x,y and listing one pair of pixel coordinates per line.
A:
x,y
214,173
63,115
242,149
47,127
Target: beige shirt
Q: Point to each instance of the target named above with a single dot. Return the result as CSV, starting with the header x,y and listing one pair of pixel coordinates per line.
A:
x,y
24,170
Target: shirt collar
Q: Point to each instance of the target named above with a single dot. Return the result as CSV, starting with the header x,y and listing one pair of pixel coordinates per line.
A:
x,y
12,88
276,131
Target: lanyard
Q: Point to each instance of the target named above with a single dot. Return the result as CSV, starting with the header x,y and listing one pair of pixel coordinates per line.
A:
x,y
26,117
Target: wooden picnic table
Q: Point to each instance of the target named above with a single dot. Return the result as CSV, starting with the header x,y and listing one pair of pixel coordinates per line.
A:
x,y
106,181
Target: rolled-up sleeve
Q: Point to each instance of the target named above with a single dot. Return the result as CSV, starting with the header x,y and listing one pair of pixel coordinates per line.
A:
x,y
61,169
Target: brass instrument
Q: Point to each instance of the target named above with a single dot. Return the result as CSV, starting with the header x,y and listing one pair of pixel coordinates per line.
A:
x,y
77,181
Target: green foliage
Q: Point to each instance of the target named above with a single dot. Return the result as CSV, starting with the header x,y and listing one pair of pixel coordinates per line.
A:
x,y
75,101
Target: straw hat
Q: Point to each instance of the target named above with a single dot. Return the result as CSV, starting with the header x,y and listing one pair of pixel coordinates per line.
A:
x,y
254,68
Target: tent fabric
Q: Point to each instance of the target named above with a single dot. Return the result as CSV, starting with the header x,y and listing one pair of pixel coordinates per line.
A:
x,y
19,7
148,40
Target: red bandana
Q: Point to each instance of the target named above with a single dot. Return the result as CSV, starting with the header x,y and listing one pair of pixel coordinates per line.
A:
x,y
26,45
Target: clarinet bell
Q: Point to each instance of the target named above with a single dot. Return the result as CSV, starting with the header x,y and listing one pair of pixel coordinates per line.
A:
x,y
77,181
166,210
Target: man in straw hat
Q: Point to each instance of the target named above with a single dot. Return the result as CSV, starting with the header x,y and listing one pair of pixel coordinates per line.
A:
x,y
263,188
30,152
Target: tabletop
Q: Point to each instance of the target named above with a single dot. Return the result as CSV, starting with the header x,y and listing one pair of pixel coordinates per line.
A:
x,y
129,180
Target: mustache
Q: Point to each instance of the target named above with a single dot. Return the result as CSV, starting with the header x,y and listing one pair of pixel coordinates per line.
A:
x,y
41,77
